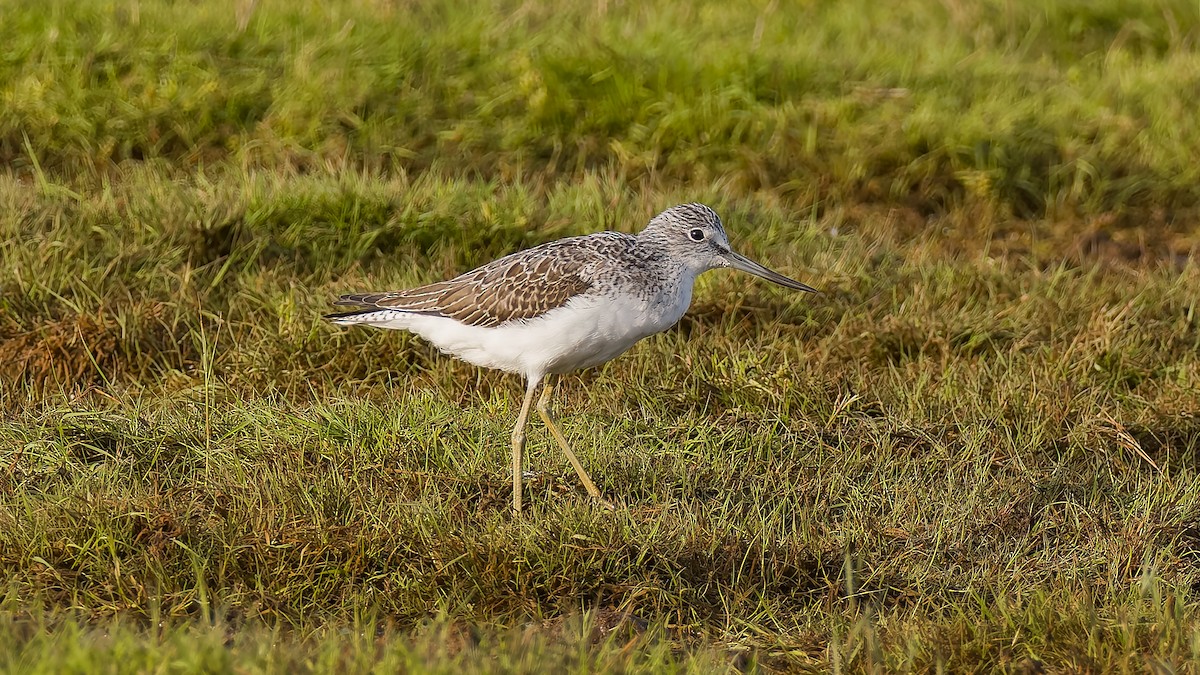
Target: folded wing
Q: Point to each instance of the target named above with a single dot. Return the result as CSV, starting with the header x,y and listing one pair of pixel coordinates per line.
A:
x,y
518,287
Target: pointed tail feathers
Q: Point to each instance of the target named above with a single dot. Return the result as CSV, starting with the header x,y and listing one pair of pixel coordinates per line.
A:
x,y
359,299
369,316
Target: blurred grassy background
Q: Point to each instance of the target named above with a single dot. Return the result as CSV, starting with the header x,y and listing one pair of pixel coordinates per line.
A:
x,y
1037,107
977,450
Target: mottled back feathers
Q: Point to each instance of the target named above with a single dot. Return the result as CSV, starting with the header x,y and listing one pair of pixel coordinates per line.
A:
x,y
520,286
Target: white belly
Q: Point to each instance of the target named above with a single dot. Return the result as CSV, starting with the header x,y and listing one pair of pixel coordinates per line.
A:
x,y
587,331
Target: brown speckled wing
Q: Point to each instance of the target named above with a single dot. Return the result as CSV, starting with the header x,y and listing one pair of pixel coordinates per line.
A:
x,y
521,286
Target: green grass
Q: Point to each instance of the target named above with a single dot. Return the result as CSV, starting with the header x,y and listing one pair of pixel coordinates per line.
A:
x,y
1037,108
976,451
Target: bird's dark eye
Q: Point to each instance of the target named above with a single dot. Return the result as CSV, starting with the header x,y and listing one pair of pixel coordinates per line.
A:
x,y
696,234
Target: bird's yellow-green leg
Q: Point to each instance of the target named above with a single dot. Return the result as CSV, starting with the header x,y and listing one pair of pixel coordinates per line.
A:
x,y
518,442
546,410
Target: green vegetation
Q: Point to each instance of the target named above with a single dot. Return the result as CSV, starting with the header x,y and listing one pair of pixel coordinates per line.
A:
x,y
977,450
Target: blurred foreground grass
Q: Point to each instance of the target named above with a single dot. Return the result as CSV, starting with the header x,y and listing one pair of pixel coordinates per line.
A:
x,y
978,449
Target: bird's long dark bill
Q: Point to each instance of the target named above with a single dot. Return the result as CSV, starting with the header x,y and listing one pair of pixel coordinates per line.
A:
x,y
741,262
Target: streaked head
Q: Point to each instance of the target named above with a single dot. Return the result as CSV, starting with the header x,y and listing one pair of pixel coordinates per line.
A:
x,y
693,234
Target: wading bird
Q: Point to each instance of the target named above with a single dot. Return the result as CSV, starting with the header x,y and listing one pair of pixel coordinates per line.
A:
x,y
562,306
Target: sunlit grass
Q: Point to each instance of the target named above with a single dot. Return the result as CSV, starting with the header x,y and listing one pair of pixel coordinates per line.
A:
x,y
977,449
1025,107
